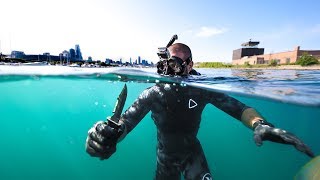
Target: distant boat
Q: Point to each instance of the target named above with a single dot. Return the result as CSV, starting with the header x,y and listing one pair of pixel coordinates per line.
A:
x,y
74,65
34,64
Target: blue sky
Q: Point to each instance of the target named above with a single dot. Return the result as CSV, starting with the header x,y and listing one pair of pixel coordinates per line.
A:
x,y
123,28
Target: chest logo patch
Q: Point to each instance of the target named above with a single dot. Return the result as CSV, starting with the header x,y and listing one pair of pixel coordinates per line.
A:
x,y
192,104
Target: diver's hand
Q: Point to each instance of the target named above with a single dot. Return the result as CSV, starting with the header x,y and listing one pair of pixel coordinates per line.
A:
x,y
265,131
102,140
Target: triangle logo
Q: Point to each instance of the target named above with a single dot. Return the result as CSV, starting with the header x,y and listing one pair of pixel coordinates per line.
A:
x,y
192,104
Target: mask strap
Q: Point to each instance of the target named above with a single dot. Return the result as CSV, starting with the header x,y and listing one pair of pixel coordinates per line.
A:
x,y
188,60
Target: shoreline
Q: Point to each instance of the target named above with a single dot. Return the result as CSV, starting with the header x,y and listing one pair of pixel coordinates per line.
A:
x,y
287,67
281,67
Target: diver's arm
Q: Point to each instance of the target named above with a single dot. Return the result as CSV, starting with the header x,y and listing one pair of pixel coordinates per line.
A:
x,y
249,116
265,131
262,129
228,104
137,111
102,138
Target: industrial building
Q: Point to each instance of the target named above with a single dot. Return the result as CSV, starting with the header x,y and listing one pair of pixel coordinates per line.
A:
x,y
250,53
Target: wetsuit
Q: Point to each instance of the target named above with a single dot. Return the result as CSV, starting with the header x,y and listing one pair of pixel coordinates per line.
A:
x,y
194,72
176,111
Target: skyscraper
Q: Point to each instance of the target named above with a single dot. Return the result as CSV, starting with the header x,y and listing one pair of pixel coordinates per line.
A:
x,y
72,54
78,53
66,56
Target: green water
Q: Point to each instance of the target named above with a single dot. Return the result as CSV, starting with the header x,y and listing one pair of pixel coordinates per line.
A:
x,y
44,124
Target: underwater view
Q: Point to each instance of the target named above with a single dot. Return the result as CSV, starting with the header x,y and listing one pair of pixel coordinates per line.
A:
x,y
46,112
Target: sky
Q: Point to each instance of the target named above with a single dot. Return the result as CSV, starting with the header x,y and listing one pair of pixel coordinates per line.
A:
x,y
130,28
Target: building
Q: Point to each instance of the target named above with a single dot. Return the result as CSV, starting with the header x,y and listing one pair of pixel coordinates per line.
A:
x,y
72,54
78,54
109,61
251,54
33,57
17,54
248,49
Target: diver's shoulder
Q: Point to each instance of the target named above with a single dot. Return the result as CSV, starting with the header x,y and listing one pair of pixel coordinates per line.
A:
x,y
194,72
156,89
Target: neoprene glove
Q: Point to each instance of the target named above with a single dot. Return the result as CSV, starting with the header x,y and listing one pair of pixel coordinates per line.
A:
x,y
102,140
266,131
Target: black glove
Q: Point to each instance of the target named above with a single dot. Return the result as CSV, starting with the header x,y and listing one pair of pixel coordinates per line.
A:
x,y
266,131
102,139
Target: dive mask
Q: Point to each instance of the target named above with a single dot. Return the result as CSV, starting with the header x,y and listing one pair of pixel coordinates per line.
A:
x,y
172,66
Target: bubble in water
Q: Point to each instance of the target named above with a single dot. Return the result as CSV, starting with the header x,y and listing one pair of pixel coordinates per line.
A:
x,y
167,87
183,84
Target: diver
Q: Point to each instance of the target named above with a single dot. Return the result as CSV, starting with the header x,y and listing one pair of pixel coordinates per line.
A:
x,y
176,112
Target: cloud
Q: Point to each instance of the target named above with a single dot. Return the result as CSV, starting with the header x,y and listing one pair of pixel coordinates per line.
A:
x,y
210,31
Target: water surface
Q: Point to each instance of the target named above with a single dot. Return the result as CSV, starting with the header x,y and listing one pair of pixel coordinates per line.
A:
x,y
46,112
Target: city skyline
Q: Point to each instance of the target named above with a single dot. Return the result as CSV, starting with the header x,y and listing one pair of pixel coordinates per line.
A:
x,y
75,55
124,29
72,56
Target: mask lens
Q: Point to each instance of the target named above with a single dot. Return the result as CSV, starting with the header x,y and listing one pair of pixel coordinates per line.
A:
x,y
175,66
172,66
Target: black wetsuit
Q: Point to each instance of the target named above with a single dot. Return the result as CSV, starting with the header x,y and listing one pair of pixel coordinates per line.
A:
x,y
194,72
176,111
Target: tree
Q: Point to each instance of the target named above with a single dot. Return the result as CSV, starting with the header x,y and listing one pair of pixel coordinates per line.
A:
x,y
306,60
213,65
103,64
273,62
2,57
247,64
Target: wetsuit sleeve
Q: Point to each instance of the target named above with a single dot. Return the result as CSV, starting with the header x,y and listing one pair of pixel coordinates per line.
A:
x,y
228,104
194,72
136,112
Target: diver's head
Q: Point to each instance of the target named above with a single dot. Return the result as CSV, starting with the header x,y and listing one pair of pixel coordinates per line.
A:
x,y
179,63
180,50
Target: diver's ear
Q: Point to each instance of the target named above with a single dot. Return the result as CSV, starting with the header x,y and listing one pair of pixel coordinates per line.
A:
x,y
191,64
189,67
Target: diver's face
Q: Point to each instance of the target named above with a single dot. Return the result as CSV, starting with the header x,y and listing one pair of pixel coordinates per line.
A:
x,y
175,64
187,67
